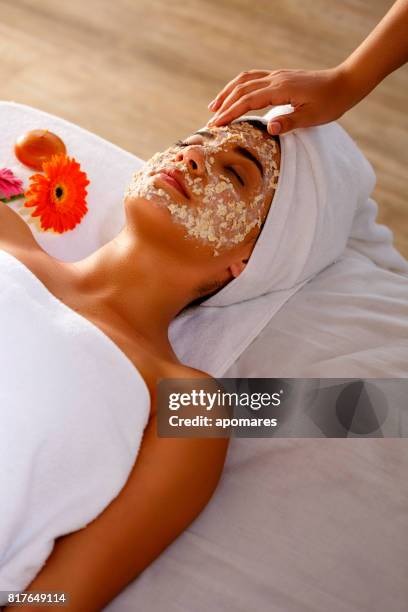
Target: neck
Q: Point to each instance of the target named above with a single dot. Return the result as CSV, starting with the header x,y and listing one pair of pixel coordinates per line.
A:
x,y
134,284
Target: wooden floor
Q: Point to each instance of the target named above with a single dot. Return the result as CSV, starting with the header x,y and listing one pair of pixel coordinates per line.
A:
x,y
141,72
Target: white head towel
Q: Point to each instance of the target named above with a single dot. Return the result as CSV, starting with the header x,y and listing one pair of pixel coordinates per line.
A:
x,y
324,181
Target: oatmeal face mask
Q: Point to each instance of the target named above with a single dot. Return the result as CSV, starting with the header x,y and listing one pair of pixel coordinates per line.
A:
x,y
216,210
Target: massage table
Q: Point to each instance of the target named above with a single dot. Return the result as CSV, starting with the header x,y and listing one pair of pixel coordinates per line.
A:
x,y
295,525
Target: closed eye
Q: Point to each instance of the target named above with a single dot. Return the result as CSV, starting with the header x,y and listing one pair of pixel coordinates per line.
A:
x,y
236,174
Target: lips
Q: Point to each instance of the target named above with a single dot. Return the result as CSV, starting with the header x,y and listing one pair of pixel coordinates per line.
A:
x,y
175,180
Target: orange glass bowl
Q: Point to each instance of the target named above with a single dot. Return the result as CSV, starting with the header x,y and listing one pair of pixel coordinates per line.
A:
x,y
37,146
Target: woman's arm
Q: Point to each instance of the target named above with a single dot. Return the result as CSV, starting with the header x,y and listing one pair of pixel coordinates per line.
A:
x,y
384,50
319,96
171,482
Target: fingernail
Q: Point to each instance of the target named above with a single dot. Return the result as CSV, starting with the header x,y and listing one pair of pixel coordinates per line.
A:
x,y
275,127
211,104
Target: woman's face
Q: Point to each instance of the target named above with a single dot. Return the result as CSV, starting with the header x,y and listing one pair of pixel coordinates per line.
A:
x,y
217,184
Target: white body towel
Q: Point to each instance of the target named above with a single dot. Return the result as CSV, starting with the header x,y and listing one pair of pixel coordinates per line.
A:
x,y
72,413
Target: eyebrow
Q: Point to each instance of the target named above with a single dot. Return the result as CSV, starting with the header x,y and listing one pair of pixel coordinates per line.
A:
x,y
241,150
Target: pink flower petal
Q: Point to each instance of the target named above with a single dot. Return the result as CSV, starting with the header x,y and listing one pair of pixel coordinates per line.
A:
x,y
10,185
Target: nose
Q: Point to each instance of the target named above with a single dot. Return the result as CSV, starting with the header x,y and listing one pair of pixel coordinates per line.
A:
x,y
193,157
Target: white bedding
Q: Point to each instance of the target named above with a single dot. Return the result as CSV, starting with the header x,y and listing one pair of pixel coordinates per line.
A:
x,y
295,525
350,321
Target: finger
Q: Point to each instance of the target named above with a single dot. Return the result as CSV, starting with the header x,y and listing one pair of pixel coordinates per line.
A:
x,y
252,101
286,123
240,78
270,94
241,90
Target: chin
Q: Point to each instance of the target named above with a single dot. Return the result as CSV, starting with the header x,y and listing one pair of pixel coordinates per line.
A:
x,y
154,225
153,220
141,205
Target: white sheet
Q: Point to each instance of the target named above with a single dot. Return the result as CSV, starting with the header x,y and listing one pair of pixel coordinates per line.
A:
x,y
295,526
350,321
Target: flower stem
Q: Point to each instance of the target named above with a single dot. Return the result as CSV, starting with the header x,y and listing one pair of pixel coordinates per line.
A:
x,y
15,197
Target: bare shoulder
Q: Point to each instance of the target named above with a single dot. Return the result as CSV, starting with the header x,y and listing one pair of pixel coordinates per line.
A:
x,y
14,231
173,369
180,378
189,372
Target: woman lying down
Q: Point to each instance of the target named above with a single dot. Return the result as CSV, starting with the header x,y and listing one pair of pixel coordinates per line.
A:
x,y
82,347
93,494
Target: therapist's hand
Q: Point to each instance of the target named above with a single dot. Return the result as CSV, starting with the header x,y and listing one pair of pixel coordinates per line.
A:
x,y
317,96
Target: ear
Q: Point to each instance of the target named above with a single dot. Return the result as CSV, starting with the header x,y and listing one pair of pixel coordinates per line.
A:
x,y
237,267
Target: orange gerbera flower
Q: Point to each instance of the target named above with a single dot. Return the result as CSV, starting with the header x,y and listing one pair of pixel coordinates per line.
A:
x,y
59,194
